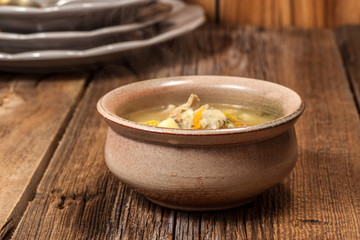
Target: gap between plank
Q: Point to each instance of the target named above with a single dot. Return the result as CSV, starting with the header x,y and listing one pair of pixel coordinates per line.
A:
x,y
352,89
217,11
174,226
344,53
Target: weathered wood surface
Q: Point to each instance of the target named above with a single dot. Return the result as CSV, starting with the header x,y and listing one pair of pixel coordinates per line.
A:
x,y
79,199
349,43
34,111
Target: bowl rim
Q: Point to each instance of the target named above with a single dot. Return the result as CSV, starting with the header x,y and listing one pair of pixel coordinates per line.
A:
x,y
117,120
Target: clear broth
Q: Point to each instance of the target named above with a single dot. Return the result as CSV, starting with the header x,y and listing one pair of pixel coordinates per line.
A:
x,y
248,116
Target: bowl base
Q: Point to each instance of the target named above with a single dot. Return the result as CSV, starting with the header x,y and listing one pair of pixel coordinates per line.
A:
x,y
199,208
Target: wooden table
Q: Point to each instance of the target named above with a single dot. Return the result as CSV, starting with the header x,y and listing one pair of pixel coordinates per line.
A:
x,y
54,183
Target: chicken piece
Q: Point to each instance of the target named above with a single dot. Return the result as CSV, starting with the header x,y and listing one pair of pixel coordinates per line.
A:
x,y
191,103
186,119
213,119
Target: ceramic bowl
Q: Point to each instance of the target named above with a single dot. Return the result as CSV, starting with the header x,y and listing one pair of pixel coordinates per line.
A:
x,y
201,169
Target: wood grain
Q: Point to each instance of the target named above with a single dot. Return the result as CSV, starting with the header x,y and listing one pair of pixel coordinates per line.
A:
x,y
284,13
79,199
348,39
33,113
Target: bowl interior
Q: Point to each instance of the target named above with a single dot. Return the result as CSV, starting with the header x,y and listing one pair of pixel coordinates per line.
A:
x,y
257,94
249,93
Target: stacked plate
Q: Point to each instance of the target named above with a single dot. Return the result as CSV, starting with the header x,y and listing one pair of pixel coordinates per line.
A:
x,y
71,33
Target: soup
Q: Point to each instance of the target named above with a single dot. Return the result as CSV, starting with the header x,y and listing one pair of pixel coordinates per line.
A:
x,y
192,115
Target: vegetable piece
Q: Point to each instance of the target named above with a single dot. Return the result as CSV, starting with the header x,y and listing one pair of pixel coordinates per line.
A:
x,y
197,117
229,116
239,124
234,120
151,123
168,123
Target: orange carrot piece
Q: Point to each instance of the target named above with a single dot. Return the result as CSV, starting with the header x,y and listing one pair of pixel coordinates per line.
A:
x,y
197,117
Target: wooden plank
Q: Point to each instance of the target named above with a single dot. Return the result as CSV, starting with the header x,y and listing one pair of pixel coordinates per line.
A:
x,y
33,112
79,199
348,39
209,7
346,12
284,13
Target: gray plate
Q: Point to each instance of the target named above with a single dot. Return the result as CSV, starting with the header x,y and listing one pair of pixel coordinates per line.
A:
x,y
181,22
82,40
74,16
